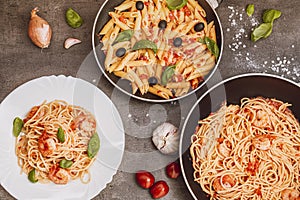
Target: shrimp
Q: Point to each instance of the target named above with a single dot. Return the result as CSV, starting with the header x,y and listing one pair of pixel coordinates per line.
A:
x,y
262,142
46,144
85,122
223,149
58,175
222,183
290,194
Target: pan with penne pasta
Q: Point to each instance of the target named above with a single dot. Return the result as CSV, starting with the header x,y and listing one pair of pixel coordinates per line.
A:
x,y
157,50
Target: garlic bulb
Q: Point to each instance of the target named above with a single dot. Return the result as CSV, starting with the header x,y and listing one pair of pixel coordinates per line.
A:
x,y
166,138
70,42
39,31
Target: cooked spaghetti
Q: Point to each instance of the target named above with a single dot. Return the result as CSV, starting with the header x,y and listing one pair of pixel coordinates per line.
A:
x,y
54,143
251,151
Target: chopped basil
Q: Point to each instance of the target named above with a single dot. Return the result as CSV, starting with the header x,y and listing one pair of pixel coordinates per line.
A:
x,y
31,176
123,36
17,126
64,163
167,74
145,44
61,134
176,4
93,146
211,45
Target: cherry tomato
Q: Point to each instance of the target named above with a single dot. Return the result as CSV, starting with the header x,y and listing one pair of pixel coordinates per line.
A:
x,y
159,189
144,178
173,170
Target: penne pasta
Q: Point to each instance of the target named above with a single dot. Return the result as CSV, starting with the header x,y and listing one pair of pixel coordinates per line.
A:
x,y
150,49
158,92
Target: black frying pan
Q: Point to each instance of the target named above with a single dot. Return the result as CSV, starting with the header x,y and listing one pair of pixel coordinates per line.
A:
x,y
232,91
101,19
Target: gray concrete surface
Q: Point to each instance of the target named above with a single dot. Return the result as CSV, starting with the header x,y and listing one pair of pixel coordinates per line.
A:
x,y
21,61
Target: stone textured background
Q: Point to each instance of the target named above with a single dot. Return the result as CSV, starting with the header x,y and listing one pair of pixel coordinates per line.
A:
x,y
21,61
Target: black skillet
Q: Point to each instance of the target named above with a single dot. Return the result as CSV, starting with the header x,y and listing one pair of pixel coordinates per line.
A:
x,y
232,91
101,19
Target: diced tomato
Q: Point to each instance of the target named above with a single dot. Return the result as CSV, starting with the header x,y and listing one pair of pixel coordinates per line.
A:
x,y
220,140
171,15
179,78
166,60
187,11
143,58
147,3
143,76
252,167
258,192
122,19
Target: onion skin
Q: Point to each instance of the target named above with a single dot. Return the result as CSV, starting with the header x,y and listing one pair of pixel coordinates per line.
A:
x,y
39,30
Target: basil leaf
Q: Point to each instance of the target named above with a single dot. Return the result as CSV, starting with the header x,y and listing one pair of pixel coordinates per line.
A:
x,y
211,45
64,163
17,126
145,44
270,15
262,31
93,146
124,36
250,10
61,134
31,176
176,4
167,74
73,18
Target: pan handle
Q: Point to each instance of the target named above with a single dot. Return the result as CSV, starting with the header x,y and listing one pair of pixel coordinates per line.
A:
x,y
214,3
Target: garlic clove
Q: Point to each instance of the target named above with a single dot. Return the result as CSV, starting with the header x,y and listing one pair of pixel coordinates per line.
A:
x,y
39,30
166,138
70,42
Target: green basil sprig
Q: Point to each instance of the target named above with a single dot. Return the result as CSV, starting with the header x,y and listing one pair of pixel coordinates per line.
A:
x,y
73,18
211,45
176,4
264,30
270,15
167,74
123,36
17,126
31,176
145,44
93,145
64,163
61,134
250,9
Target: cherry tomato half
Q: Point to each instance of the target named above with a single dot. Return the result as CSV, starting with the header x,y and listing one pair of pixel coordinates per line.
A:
x,y
144,179
173,170
159,189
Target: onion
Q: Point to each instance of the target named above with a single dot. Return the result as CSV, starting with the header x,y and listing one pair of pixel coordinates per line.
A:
x,y
39,31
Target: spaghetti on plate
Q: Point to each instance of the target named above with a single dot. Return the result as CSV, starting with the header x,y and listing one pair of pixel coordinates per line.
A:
x,y
57,143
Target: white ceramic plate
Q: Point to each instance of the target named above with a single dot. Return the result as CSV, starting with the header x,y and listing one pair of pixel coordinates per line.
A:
x,y
77,92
